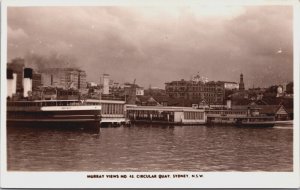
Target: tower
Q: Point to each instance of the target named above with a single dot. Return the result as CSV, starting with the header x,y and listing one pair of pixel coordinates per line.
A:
x,y
241,85
105,84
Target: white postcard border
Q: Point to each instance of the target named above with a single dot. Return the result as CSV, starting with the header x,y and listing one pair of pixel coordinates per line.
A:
x,y
210,179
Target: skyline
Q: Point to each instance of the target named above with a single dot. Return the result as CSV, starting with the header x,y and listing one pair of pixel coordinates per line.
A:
x,y
155,45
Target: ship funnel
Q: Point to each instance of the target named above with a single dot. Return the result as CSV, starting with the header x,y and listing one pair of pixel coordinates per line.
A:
x,y
27,81
10,80
14,87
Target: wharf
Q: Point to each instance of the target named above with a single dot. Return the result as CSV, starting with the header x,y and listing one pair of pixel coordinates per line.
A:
x,y
165,115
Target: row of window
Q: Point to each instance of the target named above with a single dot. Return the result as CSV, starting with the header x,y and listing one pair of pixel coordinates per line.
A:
x,y
194,115
112,108
228,112
50,103
193,89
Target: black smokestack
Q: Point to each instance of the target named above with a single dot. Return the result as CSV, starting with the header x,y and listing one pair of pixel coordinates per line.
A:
x,y
28,73
9,74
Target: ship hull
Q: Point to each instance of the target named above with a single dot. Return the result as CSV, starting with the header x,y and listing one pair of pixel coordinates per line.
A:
x,y
70,118
256,124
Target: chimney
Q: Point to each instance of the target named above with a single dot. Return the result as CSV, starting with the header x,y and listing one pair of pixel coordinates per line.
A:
x,y
10,81
14,87
27,81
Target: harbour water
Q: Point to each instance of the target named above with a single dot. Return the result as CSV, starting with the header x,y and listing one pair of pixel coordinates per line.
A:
x,y
151,148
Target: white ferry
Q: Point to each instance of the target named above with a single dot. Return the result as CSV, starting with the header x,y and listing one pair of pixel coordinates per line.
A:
x,y
240,117
256,121
54,112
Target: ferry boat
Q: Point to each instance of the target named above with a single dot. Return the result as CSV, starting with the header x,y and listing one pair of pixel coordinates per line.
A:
x,y
54,112
256,121
224,116
240,117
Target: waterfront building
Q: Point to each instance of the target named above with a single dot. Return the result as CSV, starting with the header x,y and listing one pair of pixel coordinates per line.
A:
x,y
166,115
212,92
112,112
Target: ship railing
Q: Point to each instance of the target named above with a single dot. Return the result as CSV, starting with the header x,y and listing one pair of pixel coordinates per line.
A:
x,y
28,104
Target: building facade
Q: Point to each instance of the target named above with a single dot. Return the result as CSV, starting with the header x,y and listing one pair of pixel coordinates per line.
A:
x,y
140,91
36,80
230,85
212,92
65,78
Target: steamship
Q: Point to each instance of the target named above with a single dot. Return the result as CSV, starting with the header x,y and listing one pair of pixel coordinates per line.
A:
x,y
54,112
59,113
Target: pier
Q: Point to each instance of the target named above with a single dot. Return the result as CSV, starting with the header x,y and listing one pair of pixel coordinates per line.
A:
x,y
112,112
166,115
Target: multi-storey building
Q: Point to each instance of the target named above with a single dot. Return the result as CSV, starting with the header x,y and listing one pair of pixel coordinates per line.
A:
x,y
212,92
230,85
64,78
36,80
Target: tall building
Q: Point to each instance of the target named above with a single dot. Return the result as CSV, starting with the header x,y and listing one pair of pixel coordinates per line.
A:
x,y
65,78
18,65
105,83
212,92
241,85
36,80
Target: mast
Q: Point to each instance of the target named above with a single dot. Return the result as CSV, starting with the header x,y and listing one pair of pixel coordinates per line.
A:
x,y
100,96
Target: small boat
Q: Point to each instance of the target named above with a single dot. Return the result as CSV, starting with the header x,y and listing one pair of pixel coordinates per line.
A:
x,y
256,121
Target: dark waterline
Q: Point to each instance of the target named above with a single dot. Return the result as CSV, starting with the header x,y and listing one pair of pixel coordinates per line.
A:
x,y
151,148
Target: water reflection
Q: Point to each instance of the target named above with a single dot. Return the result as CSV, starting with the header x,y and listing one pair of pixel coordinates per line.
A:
x,y
151,148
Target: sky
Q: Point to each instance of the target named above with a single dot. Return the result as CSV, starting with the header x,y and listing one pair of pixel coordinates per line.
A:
x,y
158,44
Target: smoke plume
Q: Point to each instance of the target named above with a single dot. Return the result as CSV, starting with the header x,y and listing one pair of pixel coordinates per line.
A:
x,y
54,60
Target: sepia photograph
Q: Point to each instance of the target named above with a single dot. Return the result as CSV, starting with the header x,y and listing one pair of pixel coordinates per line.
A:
x,y
172,90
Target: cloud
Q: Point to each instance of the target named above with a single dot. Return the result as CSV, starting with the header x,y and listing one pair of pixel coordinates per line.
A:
x,y
160,44
16,34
